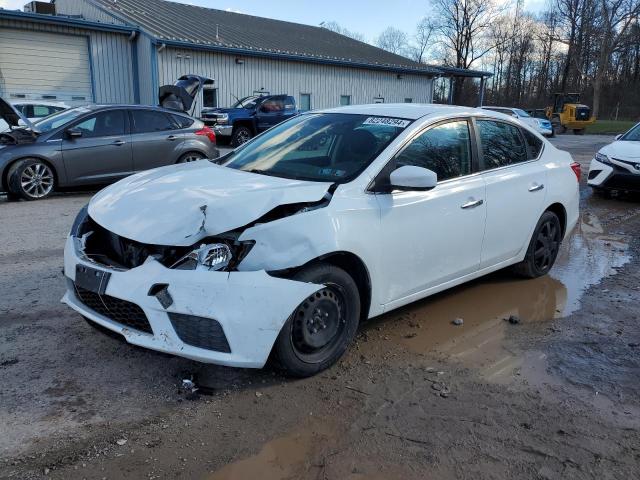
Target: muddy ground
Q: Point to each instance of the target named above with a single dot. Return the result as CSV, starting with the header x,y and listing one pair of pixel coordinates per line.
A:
x,y
555,395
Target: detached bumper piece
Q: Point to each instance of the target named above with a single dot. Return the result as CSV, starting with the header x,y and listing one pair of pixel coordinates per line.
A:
x,y
120,311
200,332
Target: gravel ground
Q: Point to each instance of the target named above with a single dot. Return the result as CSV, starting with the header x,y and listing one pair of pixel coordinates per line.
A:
x,y
553,393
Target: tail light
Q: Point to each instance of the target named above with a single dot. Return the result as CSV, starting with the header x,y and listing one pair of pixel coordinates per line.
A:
x,y
207,132
575,166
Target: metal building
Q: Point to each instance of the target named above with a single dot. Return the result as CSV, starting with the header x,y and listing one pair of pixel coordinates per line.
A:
x,y
121,51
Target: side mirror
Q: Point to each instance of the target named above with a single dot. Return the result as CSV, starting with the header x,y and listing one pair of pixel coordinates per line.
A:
x,y
410,177
73,133
619,136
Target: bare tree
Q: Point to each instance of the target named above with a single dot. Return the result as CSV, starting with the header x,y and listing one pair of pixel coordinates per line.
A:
x,y
422,40
393,40
615,18
336,27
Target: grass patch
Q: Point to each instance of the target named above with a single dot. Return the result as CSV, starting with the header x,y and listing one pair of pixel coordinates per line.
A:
x,y
610,127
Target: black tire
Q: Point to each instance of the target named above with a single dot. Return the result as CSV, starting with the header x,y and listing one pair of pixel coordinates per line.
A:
x,y
190,157
303,347
543,247
12,197
31,179
241,135
578,131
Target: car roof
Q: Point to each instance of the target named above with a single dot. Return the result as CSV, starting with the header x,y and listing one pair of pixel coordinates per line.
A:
x,y
411,111
94,106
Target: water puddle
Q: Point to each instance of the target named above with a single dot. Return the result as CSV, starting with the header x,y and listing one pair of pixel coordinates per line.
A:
x,y
585,259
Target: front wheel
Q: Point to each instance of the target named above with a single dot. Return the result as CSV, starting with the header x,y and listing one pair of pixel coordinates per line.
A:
x,y
191,157
31,179
543,247
320,330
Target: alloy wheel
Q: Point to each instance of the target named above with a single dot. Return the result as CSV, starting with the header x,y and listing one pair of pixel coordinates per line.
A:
x,y
191,157
37,180
547,245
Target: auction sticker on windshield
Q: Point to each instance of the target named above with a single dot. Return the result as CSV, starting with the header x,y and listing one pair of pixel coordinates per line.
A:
x,y
392,122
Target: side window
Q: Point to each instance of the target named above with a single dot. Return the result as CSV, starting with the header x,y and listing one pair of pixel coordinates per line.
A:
x,y
289,103
502,144
103,124
444,149
274,105
41,111
183,122
534,143
145,121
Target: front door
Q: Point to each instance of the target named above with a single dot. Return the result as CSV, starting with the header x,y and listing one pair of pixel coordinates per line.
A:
x,y
430,238
270,113
102,151
515,189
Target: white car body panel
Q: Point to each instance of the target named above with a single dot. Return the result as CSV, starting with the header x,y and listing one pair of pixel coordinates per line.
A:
x,y
623,160
413,244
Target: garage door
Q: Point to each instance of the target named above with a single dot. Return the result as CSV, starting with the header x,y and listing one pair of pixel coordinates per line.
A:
x,y
44,65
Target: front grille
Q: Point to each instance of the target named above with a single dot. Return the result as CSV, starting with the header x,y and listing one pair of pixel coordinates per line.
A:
x,y
121,311
200,332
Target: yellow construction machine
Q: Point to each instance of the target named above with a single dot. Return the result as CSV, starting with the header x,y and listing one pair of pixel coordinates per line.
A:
x,y
567,113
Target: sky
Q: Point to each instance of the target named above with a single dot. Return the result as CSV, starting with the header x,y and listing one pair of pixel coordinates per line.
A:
x,y
366,17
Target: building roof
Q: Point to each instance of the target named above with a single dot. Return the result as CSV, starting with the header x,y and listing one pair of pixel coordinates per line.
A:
x,y
178,23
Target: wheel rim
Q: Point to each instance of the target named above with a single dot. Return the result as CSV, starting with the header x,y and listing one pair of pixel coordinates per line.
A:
x,y
243,136
547,245
37,180
318,324
192,157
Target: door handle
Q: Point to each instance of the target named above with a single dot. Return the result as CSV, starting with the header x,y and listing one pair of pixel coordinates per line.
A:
x,y
118,143
472,203
171,138
536,187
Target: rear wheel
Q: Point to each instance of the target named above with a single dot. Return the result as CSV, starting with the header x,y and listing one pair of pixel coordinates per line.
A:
x,y
31,179
320,330
543,247
578,131
240,135
191,157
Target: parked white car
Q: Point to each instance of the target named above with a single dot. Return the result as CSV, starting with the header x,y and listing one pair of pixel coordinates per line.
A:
x,y
541,125
617,165
34,110
321,222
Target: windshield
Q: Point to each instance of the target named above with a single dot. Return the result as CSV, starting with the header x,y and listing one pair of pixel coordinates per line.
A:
x,y
246,102
521,113
632,135
58,119
328,147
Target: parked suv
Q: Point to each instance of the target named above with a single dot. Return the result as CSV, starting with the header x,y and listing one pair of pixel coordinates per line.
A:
x,y
98,144
249,116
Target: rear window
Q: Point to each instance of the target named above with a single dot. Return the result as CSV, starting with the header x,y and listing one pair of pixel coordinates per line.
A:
x,y
534,144
183,122
145,121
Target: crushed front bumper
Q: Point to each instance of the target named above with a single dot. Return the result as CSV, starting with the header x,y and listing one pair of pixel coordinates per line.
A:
x,y
250,307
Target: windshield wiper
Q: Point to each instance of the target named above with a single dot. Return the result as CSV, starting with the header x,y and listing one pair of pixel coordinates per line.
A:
x,y
262,172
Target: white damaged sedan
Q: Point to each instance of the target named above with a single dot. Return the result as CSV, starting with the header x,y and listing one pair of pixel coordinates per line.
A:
x,y
319,223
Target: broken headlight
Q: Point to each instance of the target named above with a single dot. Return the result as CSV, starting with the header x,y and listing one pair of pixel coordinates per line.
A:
x,y
214,256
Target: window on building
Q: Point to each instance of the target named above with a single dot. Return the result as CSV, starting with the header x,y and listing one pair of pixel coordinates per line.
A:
x,y
502,144
305,102
378,100
151,121
444,149
408,100
209,97
103,124
345,100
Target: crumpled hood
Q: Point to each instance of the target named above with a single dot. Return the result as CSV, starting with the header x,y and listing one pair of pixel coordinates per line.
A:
x,y
624,150
181,204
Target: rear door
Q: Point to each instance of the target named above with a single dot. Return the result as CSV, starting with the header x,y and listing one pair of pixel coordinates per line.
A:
x,y
103,151
156,138
515,181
